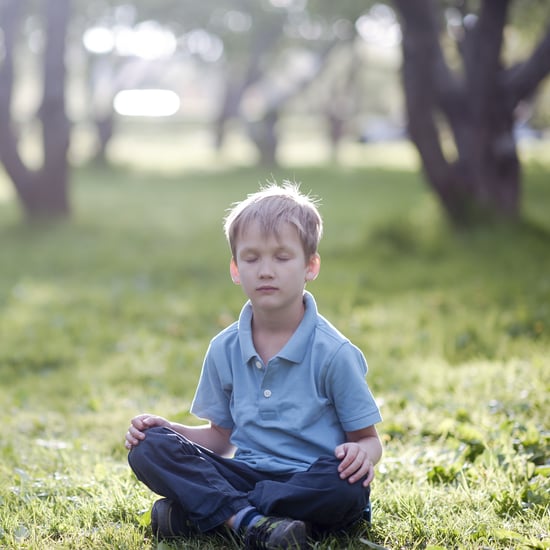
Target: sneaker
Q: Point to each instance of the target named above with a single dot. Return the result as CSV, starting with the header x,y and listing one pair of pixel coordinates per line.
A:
x,y
168,520
271,533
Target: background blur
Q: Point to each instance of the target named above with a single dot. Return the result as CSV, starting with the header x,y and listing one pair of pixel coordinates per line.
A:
x,y
270,81
126,131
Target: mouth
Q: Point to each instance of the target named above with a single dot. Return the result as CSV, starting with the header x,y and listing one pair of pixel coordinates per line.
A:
x,y
266,289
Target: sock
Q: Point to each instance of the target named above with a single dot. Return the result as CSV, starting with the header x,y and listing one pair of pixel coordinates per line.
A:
x,y
245,518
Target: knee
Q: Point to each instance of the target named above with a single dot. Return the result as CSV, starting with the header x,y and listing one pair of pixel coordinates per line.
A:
x,y
352,500
140,453
348,495
158,441
353,494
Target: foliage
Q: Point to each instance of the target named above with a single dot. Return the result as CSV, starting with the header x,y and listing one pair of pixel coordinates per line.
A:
x,y
110,315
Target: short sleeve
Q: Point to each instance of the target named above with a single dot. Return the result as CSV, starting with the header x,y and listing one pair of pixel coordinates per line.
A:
x,y
348,391
213,395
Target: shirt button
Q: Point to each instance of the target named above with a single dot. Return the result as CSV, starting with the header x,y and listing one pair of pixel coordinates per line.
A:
x,y
267,393
258,364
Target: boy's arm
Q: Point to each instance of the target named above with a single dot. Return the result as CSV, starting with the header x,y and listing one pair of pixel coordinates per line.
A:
x,y
359,454
210,435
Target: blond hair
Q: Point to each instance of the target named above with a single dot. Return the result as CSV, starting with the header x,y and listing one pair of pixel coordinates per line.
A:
x,y
272,206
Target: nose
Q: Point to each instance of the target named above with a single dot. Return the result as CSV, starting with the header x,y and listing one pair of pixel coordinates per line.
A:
x,y
265,270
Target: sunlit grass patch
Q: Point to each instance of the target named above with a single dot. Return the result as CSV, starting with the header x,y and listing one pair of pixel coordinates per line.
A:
x,y
110,314
469,454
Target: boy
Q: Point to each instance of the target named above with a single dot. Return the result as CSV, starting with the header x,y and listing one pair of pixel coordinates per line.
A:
x,y
290,442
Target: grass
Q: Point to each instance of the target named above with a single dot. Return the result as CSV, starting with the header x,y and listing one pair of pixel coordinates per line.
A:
x,y
110,314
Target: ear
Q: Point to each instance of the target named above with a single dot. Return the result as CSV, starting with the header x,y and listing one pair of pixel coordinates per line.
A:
x,y
313,267
234,271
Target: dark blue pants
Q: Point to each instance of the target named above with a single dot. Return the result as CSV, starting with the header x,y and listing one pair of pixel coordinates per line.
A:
x,y
211,488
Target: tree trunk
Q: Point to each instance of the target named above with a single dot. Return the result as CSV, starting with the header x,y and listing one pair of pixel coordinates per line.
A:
x,y
264,40
10,15
342,102
263,132
42,193
55,124
105,126
483,181
264,135
230,109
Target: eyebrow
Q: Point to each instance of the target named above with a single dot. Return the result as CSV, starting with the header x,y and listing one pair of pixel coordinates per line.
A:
x,y
254,250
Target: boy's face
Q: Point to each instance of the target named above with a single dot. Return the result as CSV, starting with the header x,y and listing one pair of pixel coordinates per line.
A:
x,y
272,269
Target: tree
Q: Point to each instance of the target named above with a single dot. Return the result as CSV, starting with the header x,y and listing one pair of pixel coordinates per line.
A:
x,y
257,77
475,105
43,192
256,59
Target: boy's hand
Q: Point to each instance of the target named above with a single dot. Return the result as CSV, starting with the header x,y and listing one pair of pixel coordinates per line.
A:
x,y
355,463
139,425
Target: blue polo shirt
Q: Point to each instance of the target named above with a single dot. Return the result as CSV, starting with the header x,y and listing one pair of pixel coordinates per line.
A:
x,y
285,414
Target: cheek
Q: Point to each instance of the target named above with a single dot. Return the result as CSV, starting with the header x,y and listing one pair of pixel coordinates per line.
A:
x,y
243,276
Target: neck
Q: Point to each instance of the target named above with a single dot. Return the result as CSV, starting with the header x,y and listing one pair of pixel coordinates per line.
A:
x,y
278,321
271,332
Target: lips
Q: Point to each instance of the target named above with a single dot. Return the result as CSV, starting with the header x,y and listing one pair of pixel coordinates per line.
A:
x,y
266,289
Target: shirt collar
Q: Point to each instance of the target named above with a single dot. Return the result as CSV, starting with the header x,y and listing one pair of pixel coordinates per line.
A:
x,y
295,349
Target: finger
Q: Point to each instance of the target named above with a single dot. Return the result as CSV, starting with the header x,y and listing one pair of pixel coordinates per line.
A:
x,y
148,421
130,440
354,456
138,422
360,473
369,477
135,434
366,473
359,469
349,456
151,421
133,437
340,451
353,467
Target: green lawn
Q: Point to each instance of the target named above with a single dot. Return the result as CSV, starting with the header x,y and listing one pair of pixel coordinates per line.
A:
x,y
110,314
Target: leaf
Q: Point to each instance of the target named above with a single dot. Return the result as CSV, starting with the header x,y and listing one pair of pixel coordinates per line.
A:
x,y
22,474
440,474
532,437
145,518
543,471
506,534
371,544
468,434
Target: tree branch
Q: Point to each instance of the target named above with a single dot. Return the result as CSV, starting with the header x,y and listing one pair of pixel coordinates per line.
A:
x,y
52,110
482,64
10,16
421,57
522,79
